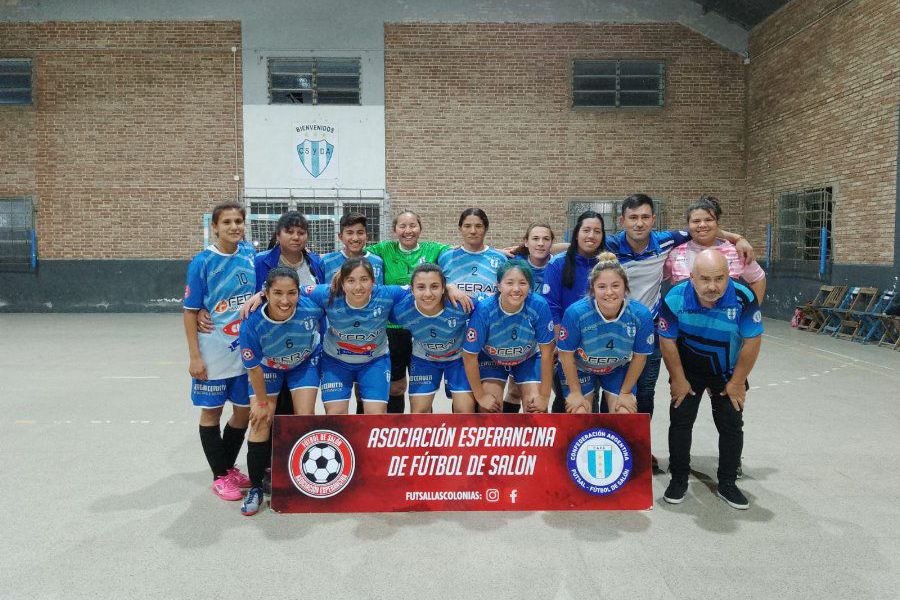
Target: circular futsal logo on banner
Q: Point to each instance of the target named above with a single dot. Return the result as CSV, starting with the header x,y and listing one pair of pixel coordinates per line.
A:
x,y
599,461
321,463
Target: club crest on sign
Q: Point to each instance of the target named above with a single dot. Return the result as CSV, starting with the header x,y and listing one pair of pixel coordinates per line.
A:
x,y
315,155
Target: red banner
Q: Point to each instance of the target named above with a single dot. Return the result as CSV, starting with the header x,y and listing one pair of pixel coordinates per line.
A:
x,y
387,463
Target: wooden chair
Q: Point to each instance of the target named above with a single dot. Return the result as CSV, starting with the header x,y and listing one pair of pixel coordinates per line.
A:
x,y
871,326
814,317
809,310
851,318
830,311
890,337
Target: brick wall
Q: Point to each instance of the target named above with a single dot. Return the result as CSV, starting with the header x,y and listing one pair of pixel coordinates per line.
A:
x,y
480,115
822,110
131,137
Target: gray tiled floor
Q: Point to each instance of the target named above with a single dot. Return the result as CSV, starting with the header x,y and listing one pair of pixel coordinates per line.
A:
x,y
107,493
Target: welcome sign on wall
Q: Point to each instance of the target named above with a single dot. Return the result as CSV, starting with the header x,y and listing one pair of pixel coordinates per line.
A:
x,y
316,150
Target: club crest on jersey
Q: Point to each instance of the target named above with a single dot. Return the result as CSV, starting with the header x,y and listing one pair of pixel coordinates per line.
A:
x,y
309,324
471,335
247,354
451,323
732,313
494,262
377,312
631,330
315,155
757,317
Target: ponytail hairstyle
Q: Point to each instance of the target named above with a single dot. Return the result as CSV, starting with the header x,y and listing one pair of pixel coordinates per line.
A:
x,y
278,273
337,284
431,268
708,203
522,249
606,261
291,218
516,263
568,277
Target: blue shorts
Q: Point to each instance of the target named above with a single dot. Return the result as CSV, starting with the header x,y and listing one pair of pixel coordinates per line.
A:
x,y
527,371
611,382
373,378
304,375
213,393
425,376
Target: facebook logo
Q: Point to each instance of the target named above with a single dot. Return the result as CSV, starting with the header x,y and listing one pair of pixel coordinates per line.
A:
x,y
513,494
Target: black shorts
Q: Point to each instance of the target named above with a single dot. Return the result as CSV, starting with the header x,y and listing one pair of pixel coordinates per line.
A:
x,y
400,346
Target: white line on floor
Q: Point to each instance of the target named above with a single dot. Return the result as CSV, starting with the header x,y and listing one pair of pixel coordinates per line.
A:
x,y
131,377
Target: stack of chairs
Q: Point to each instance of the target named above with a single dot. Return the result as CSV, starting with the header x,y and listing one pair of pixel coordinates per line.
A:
x,y
812,316
834,315
852,318
871,325
890,328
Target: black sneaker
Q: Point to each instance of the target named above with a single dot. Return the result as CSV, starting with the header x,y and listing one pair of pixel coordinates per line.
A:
x,y
676,491
730,493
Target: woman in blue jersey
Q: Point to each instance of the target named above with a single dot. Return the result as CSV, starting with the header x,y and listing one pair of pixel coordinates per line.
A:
x,y
219,280
510,334
566,276
604,337
438,329
279,346
537,250
473,266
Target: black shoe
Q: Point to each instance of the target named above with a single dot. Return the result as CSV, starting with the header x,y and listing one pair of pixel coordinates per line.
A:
x,y
730,493
676,491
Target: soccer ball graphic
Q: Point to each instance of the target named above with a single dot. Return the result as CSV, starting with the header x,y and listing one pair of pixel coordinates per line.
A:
x,y
321,463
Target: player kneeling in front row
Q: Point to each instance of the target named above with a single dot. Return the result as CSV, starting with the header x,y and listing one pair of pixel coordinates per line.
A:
x,y
511,334
710,330
607,337
279,343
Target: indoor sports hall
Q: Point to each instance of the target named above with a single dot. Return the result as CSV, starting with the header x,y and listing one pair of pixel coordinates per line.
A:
x,y
166,165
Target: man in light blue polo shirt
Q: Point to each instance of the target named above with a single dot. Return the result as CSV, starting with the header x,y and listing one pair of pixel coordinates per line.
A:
x,y
710,329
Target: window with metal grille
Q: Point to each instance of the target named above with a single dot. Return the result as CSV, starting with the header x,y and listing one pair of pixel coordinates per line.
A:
x,y
804,226
322,214
610,210
15,81
618,83
314,80
18,244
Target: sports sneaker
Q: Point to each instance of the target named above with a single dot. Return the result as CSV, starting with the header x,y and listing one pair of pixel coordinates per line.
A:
x,y
676,491
252,502
730,493
239,479
224,488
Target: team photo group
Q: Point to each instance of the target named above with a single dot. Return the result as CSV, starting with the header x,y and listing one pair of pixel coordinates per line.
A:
x,y
545,326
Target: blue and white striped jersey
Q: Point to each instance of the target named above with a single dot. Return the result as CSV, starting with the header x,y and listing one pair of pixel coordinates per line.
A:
x,y
474,273
439,337
281,344
356,335
221,283
600,345
509,339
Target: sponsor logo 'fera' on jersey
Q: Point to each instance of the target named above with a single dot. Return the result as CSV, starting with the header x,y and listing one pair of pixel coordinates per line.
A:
x,y
233,303
321,463
599,461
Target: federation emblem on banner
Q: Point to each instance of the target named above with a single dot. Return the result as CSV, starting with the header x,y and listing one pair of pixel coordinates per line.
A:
x,y
599,461
321,463
315,155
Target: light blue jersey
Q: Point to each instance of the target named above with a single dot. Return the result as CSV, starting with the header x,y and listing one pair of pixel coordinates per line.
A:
x,y
281,344
438,338
474,273
356,335
600,345
509,339
221,283
538,275
333,261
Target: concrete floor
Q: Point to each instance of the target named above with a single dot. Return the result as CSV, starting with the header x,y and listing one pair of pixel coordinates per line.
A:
x,y
107,493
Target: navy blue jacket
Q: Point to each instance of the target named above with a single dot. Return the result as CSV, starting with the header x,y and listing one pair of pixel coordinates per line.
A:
x,y
268,260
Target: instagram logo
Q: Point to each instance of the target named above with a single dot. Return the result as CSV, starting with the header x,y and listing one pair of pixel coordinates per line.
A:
x,y
492,495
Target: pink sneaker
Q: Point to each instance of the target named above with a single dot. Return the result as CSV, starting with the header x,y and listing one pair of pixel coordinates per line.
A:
x,y
224,488
239,479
